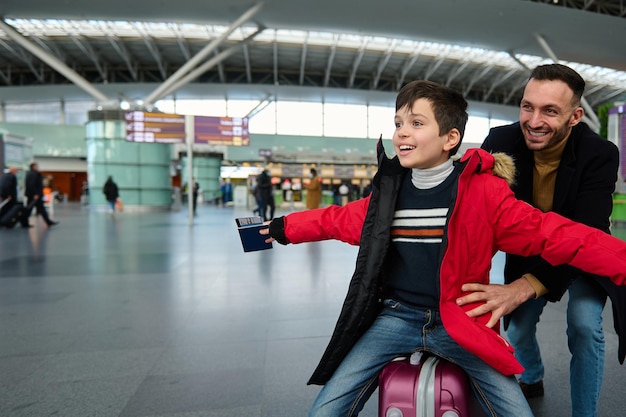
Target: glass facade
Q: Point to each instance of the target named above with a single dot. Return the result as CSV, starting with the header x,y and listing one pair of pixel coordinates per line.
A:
x,y
141,170
207,172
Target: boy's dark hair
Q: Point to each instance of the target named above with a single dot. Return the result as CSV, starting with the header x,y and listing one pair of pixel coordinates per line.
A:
x,y
563,73
449,106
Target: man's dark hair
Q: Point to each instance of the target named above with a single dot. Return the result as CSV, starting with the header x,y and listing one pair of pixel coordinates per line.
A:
x,y
551,72
449,106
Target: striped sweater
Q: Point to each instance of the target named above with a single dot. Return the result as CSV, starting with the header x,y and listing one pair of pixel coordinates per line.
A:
x,y
416,234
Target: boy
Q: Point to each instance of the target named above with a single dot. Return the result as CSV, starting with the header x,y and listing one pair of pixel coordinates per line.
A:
x,y
429,226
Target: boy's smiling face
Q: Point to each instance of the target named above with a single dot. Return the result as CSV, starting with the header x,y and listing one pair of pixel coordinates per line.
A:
x,y
417,141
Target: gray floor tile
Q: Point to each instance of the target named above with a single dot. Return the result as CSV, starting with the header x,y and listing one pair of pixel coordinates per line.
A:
x,y
196,392
95,398
83,366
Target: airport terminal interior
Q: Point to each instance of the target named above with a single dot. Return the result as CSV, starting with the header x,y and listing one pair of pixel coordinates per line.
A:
x,y
145,315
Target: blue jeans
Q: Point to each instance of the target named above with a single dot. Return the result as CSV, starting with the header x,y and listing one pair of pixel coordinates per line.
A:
x,y
585,339
399,330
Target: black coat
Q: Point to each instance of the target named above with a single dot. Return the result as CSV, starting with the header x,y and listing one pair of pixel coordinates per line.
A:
x,y
362,304
583,192
264,182
110,190
8,186
33,184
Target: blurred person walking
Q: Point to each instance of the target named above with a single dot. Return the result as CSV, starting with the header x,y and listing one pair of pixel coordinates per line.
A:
x,y
264,182
195,189
34,194
111,193
8,197
313,190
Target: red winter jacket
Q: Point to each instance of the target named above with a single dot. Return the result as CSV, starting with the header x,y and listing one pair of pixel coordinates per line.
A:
x,y
485,217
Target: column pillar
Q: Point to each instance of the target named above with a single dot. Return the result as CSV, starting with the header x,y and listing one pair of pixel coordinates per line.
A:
x,y
206,170
141,170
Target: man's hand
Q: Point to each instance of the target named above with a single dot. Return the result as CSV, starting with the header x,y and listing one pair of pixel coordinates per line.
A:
x,y
497,299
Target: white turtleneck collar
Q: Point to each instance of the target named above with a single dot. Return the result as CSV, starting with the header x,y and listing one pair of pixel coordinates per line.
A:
x,y
431,177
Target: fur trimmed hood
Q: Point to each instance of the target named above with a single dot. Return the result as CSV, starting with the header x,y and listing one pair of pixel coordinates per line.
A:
x,y
504,167
499,164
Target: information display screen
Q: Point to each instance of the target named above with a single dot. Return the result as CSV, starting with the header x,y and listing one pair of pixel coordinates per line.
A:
x,y
170,128
154,127
231,131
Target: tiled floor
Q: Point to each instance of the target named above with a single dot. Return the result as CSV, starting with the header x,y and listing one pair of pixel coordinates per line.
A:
x,y
141,315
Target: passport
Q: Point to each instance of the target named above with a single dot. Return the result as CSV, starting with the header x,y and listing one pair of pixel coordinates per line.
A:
x,y
251,239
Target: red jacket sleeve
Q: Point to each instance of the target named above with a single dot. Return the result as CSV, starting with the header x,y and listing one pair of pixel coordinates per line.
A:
x,y
342,223
524,230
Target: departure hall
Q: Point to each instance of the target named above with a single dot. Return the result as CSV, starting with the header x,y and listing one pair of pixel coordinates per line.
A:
x,y
150,306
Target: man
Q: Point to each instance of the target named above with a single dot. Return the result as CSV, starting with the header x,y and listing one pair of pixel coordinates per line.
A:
x,y
264,182
8,193
562,166
34,194
195,189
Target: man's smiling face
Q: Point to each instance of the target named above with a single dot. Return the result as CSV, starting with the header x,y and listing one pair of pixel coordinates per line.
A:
x,y
547,113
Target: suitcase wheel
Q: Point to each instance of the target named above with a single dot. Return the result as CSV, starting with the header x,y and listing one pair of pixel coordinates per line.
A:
x,y
394,412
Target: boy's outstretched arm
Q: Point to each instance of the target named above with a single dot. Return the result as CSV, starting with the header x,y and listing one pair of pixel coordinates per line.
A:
x,y
497,299
343,223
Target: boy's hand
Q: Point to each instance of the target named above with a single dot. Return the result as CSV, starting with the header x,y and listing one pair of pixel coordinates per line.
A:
x,y
266,231
497,299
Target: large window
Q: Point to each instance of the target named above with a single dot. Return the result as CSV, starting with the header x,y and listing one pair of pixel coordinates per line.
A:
x,y
281,118
38,113
264,121
299,118
193,107
346,121
380,122
76,112
476,129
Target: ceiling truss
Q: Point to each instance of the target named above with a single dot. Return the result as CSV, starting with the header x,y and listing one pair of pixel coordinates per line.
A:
x,y
238,55
609,7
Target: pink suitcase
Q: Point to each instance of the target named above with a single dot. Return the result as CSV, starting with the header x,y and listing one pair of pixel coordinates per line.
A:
x,y
425,386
